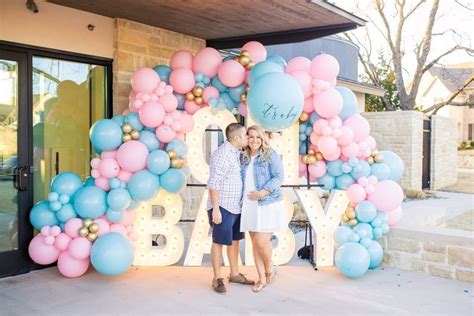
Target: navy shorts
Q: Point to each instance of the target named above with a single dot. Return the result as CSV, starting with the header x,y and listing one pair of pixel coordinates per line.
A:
x,y
227,231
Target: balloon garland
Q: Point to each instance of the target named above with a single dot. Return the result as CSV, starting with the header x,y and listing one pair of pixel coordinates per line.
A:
x,y
142,151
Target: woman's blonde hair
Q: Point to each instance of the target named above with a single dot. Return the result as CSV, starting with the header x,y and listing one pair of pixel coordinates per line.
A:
x,y
265,144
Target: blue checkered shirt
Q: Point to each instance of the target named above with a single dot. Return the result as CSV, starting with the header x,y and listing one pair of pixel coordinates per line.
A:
x,y
225,177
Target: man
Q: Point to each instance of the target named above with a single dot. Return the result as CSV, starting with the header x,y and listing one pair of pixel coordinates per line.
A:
x,y
225,195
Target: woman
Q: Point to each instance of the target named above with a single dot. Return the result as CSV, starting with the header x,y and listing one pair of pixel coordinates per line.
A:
x,y
263,211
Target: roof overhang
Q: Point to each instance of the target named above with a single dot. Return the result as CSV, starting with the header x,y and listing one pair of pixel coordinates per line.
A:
x,y
228,24
360,87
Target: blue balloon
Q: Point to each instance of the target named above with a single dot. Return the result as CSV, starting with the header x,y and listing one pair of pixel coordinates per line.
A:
x,y
66,183
346,168
64,198
230,57
366,227
114,216
366,242
179,147
216,83
119,119
395,163
313,117
53,196
173,180
362,169
90,202
90,181
308,130
385,228
354,237
41,215
55,206
66,213
353,161
105,135
361,233
143,185
342,234
380,170
112,254
119,199
349,102
114,183
352,259
303,149
187,171
236,92
302,127
134,204
158,161
261,69
277,60
334,167
149,139
377,233
344,181
376,222
163,72
181,99
375,251
303,137
327,181
229,103
365,211
133,119
275,101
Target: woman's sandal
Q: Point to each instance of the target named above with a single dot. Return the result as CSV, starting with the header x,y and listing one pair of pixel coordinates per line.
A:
x,y
258,287
270,276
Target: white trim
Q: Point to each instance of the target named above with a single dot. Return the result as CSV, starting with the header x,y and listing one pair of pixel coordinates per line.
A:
x,y
335,9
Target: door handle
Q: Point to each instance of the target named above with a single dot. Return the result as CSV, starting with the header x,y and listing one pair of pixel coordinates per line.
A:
x,y
22,174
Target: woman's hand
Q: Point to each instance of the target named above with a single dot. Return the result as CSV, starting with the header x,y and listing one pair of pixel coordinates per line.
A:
x,y
257,195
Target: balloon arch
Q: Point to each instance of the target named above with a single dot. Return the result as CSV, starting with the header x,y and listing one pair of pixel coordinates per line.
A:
x,y
143,153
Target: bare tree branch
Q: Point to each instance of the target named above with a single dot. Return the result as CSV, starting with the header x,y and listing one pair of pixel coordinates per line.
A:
x,y
449,101
449,51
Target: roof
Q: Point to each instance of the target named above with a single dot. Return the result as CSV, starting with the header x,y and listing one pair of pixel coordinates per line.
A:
x,y
453,77
361,87
227,24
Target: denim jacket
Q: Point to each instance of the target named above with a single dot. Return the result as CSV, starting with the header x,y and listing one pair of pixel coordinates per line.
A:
x,y
268,175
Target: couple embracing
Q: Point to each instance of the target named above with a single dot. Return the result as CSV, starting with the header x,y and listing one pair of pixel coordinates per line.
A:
x,y
245,196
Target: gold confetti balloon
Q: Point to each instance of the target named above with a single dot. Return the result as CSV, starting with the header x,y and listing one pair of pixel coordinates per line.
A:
x,y
172,154
83,231
135,134
126,137
94,228
92,236
87,222
126,128
189,96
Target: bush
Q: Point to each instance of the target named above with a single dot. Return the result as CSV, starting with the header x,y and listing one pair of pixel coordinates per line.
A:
x,y
471,143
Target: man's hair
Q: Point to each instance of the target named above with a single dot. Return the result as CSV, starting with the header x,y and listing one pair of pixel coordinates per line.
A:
x,y
231,129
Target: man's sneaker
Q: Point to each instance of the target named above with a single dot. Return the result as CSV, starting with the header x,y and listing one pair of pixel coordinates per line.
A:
x,y
218,285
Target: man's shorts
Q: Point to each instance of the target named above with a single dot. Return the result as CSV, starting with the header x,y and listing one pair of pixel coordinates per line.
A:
x,y
227,231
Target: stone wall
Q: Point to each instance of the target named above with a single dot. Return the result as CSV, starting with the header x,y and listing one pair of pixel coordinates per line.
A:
x,y
138,45
402,133
443,152
466,159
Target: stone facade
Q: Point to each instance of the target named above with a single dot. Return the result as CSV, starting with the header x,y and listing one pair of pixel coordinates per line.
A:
x,y
138,45
443,152
466,159
402,133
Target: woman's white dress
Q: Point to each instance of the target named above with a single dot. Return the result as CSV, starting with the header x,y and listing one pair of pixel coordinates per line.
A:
x,y
267,218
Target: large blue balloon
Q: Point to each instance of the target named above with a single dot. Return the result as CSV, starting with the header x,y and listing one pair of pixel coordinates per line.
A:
x,y
393,161
105,135
334,167
66,183
352,259
163,72
342,235
349,102
90,202
158,161
149,139
362,169
275,101
179,147
66,213
119,119
380,170
41,215
119,199
376,254
263,68
112,254
133,119
328,182
173,180
114,216
365,211
344,181
366,227
143,185
277,60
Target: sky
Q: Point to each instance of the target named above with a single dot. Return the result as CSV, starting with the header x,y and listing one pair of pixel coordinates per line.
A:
x,y
450,16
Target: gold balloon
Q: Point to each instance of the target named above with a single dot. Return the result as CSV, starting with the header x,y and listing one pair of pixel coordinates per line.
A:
x,y
126,128
94,227
370,160
378,158
245,53
374,152
92,236
244,60
135,134
172,154
83,231
311,151
177,163
353,221
197,91
351,214
311,159
87,222
319,156
243,97
250,65
304,117
189,96
305,159
344,218
198,100
126,137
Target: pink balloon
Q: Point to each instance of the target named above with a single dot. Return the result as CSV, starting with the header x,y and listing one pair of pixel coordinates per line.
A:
x,y
168,120
108,154
356,193
165,134
109,168
304,80
335,122
72,226
334,155
327,144
302,167
102,183
256,51
210,92
176,126
242,109
191,107
169,102
359,125
206,61
124,176
346,137
62,242
319,125
363,181
370,141
118,228
145,80
231,73
132,156
394,216
298,63
328,104
308,105
71,267
42,253
370,188
350,150
180,136
49,240
317,169
176,115
95,173
181,59
45,230
324,67
314,138
152,114
95,163
55,231
80,248
388,195
182,80
104,226
187,123
128,218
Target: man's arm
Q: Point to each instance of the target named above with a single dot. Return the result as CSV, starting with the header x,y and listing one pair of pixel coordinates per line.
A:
x,y
218,169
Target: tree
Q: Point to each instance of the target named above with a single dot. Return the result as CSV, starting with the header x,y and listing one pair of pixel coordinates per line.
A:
x,y
392,34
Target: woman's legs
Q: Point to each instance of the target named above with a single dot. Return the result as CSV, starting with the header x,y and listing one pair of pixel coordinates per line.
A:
x,y
258,265
265,249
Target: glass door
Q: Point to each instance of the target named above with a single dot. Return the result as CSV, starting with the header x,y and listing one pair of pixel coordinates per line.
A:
x,y
15,187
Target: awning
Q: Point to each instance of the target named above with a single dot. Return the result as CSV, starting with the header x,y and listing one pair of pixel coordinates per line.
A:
x,y
228,24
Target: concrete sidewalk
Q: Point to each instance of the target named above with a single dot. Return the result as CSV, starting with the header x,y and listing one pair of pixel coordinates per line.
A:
x,y
184,290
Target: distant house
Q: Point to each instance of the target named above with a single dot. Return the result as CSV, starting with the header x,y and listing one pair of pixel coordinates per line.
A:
x,y
439,84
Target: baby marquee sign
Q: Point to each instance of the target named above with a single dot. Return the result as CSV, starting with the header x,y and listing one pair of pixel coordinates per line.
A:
x,y
146,155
